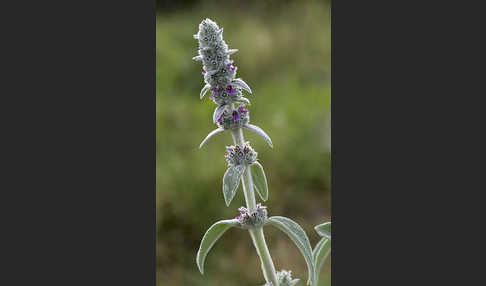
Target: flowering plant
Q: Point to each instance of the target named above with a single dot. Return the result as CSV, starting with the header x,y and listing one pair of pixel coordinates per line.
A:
x,y
232,114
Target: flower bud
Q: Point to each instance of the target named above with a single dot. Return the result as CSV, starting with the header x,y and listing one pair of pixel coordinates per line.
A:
x,y
256,218
240,155
284,278
230,94
237,118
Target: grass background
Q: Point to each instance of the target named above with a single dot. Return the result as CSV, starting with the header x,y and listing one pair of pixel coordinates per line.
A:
x,y
285,57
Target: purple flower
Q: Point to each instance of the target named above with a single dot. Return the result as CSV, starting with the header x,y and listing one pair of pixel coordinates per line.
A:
x,y
242,109
238,217
230,89
236,116
203,72
212,95
229,65
220,89
220,118
233,68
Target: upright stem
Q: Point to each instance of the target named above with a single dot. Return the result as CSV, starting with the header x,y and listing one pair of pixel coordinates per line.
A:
x,y
256,234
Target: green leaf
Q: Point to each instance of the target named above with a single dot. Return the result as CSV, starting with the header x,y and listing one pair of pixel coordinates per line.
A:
x,y
319,255
259,180
231,180
298,236
324,229
209,239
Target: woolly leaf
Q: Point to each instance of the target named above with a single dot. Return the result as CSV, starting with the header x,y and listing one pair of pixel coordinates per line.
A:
x,y
259,180
319,255
211,134
324,229
239,82
212,72
218,112
204,90
244,99
231,180
298,236
260,132
209,239
294,282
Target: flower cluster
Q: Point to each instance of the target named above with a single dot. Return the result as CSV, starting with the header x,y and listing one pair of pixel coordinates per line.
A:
x,y
237,118
218,69
214,54
252,219
284,279
225,96
240,155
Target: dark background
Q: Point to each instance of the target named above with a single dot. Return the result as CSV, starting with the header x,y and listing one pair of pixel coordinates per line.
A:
x,y
285,57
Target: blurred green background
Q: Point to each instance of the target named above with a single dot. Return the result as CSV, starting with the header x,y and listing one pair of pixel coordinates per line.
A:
x,y
285,57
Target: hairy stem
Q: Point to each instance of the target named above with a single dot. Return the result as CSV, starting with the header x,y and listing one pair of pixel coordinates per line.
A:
x,y
256,234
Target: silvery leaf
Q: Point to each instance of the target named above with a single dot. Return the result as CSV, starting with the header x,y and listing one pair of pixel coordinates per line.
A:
x,y
217,112
319,255
232,51
259,180
211,134
204,90
294,282
212,72
209,239
298,236
231,181
260,132
244,99
239,82
197,58
324,229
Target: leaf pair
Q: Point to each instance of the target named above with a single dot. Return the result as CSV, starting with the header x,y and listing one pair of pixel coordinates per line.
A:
x,y
322,249
232,176
249,127
288,226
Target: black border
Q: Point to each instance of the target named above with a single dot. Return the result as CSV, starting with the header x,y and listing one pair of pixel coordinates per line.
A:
x,y
81,144
400,158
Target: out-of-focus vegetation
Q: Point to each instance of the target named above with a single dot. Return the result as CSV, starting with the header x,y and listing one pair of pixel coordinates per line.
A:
x,y
284,56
